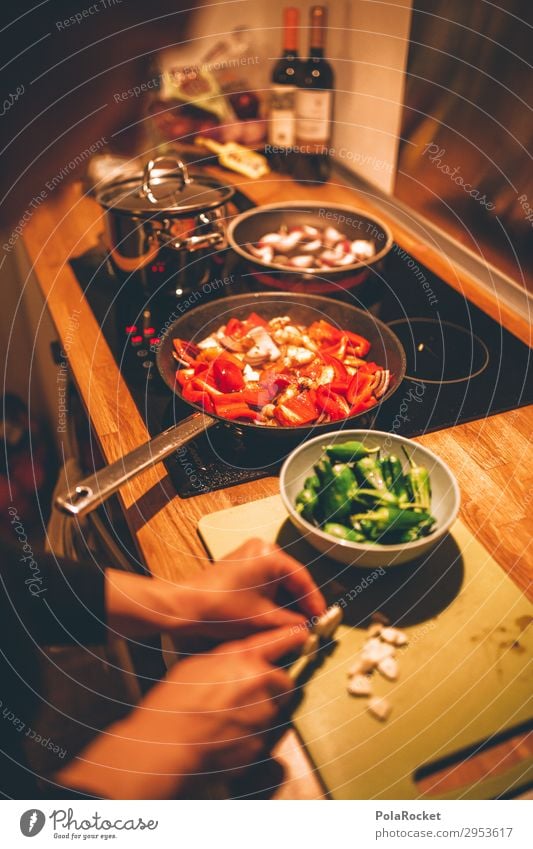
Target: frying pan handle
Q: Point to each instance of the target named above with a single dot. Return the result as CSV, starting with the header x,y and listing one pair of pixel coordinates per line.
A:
x,y
95,489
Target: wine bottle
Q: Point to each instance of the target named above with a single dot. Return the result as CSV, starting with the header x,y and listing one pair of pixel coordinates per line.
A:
x,y
314,104
282,123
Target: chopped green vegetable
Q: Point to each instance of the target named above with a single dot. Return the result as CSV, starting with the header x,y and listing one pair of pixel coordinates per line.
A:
x,y
348,452
343,532
380,501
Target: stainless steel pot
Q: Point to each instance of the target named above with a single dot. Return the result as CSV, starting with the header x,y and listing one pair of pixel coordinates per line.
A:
x,y
166,213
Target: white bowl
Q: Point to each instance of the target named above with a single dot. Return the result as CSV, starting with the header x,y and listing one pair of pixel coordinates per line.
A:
x,y
444,503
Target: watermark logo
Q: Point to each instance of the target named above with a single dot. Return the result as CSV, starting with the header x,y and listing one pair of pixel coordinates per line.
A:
x,y
32,822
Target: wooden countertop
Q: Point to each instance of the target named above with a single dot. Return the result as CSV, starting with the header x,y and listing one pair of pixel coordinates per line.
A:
x,y
490,457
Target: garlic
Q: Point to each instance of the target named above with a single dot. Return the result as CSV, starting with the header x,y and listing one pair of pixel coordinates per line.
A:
x,y
361,666
388,667
375,651
380,708
249,374
394,636
359,685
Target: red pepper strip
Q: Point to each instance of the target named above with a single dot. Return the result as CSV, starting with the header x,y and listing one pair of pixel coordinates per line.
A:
x,y
183,375
338,350
369,368
231,358
340,369
340,386
200,384
234,327
322,331
296,411
228,377
358,343
234,411
334,405
360,388
253,397
195,397
255,320
186,351
361,406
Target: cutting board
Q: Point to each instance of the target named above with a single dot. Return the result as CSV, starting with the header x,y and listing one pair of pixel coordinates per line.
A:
x,y
465,677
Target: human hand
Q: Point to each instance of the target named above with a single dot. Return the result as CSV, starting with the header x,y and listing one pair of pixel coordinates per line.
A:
x,y
239,595
212,712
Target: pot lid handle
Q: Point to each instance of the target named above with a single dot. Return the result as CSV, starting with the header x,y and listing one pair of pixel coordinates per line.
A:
x,y
176,168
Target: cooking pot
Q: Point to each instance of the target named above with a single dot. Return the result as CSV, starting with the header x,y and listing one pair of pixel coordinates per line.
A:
x,y
165,220
248,228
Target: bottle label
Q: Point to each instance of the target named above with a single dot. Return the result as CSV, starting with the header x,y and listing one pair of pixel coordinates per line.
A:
x,y
313,116
282,124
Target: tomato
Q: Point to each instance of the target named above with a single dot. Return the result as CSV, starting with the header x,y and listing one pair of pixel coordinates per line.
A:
x,y
228,377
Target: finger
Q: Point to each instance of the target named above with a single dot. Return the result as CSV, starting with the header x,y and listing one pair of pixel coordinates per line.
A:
x,y
266,615
294,577
272,646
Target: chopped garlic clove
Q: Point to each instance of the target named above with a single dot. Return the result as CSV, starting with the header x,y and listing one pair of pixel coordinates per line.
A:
x,y
361,666
375,651
380,708
359,685
388,667
394,637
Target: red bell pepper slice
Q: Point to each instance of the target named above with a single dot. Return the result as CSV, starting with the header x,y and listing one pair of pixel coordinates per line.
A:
x,y
186,351
360,388
201,384
323,332
255,320
228,377
334,405
234,327
360,345
338,349
369,368
340,369
296,411
234,411
361,406
183,375
197,397
274,380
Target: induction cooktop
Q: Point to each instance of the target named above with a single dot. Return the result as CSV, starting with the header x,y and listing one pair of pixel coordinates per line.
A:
x,y
461,365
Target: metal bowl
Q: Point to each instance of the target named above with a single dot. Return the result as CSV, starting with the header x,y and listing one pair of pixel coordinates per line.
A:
x,y
444,506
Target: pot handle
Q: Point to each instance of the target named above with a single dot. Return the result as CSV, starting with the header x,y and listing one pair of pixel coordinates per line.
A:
x,y
194,243
177,167
95,489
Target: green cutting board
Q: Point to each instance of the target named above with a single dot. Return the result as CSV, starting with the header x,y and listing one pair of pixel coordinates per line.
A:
x,y
464,677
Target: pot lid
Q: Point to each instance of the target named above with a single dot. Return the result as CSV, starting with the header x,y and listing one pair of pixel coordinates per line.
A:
x,y
167,186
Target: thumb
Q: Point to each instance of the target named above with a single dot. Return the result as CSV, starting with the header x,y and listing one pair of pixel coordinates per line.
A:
x,y
272,645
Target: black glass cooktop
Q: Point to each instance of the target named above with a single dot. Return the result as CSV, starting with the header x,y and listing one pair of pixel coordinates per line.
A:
x,y
461,365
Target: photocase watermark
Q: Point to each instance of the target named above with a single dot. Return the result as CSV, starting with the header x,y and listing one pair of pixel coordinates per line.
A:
x,y
11,99
51,185
87,12
34,581
192,300
435,155
416,393
419,274
527,209
62,372
190,470
344,153
29,732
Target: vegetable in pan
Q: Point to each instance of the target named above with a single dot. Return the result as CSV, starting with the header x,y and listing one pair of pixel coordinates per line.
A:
x,y
280,374
359,496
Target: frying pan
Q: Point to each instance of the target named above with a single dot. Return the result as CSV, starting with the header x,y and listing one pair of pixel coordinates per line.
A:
x,y
248,228
201,322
